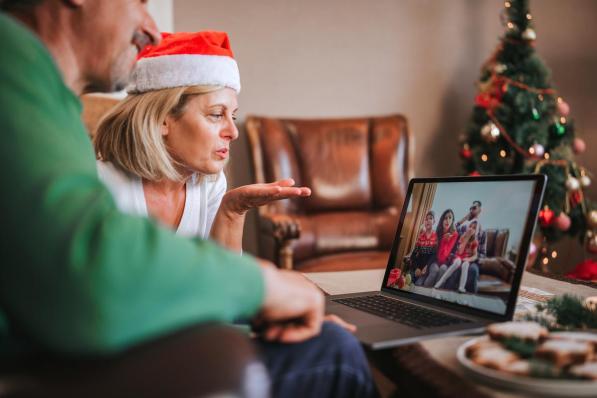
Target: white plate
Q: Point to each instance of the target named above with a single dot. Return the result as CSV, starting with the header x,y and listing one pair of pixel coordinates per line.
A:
x,y
541,387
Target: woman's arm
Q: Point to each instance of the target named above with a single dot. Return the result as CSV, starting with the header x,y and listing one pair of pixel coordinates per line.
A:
x,y
473,256
227,228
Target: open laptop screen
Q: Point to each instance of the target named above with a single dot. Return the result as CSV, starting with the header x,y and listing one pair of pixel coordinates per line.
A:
x,y
460,241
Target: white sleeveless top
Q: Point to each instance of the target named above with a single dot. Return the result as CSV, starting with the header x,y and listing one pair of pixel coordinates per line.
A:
x,y
203,198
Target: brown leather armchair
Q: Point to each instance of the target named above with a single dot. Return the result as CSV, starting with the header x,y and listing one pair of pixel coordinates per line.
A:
x,y
496,271
358,170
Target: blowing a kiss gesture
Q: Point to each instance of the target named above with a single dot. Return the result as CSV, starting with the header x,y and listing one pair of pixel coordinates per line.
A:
x,y
227,228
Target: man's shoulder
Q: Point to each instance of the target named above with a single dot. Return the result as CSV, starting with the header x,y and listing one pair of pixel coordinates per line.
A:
x,y
20,44
28,72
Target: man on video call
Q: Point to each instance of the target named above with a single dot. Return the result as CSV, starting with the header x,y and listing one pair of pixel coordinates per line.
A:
x,y
80,280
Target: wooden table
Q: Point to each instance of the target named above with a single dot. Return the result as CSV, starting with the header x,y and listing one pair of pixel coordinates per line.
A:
x,y
441,352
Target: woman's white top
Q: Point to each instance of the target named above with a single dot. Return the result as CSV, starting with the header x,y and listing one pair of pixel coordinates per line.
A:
x,y
203,197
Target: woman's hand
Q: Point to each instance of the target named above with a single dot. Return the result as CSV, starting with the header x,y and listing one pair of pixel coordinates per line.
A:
x,y
240,200
227,228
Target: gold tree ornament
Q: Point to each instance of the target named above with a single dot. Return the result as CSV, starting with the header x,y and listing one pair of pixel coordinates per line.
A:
x,y
592,218
490,132
529,34
592,244
572,184
500,68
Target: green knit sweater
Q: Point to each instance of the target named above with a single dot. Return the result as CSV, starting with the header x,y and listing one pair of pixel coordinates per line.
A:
x,y
76,275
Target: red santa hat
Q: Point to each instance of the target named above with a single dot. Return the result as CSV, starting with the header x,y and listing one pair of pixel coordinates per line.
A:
x,y
186,59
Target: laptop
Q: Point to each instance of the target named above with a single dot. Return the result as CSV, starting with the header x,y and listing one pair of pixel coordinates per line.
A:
x,y
456,262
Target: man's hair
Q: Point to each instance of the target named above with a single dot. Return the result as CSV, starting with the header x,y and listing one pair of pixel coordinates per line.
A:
x,y
13,5
130,135
430,213
478,202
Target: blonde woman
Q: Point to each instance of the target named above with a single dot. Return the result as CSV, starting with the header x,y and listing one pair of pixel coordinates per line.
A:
x,y
163,149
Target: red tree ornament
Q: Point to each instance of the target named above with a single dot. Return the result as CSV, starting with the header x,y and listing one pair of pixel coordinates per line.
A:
x,y
546,217
575,198
466,153
563,222
563,107
483,100
579,145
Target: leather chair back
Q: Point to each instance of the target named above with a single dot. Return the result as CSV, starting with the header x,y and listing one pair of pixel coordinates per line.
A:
x,y
497,242
358,170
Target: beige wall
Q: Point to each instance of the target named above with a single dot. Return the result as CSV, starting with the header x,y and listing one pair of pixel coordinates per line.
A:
x,y
162,12
314,58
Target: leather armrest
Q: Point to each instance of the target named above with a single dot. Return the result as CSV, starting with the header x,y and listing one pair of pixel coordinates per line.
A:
x,y
283,229
497,266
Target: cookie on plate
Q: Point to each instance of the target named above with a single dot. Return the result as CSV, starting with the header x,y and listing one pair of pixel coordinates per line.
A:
x,y
562,352
480,345
519,367
586,370
590,338
494,357
527,331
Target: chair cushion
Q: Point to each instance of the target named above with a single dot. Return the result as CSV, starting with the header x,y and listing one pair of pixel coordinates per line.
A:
x,y
345,262
497,266
341,231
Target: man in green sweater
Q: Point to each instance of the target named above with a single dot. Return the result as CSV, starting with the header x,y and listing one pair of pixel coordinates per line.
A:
x,y
77,277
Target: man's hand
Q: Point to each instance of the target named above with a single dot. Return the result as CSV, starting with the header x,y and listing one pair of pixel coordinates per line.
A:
x,y
340,322
240,200
293,307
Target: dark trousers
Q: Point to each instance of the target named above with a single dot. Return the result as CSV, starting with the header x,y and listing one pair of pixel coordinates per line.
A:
x,y
471,282
332,364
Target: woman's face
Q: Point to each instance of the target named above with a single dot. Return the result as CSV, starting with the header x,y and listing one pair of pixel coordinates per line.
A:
x,y
200,138
448,219
472,227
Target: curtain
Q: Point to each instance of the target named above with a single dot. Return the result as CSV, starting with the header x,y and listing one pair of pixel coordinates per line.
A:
x,y
422,201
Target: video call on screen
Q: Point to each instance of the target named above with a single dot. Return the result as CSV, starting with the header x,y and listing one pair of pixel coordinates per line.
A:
x,y
460,241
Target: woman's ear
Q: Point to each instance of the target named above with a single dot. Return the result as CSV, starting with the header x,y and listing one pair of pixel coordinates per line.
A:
x,y
165,127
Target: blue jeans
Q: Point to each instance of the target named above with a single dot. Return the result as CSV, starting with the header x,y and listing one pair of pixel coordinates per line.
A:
x,y
471,282
332,364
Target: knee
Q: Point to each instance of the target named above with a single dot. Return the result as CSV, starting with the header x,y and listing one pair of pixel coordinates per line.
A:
x,y
473,271
336,337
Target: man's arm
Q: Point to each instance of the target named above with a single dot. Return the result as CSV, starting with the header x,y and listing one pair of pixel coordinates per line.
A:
x,y
77,275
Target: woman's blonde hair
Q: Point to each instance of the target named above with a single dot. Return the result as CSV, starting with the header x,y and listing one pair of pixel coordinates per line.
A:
x,y
130,135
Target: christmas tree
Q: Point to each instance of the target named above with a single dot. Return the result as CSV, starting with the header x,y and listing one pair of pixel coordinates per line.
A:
x,y
520,124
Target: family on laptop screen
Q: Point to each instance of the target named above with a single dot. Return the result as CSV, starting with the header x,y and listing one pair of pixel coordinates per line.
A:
x,y
460,244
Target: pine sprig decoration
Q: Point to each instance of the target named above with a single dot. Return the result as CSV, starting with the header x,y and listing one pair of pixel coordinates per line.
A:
x,y
520,124
566,312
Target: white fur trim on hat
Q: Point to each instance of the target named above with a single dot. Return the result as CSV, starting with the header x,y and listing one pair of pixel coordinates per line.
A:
x,y
170,71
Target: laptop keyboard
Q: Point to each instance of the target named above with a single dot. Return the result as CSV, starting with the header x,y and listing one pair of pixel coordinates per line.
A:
x,y
401,312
